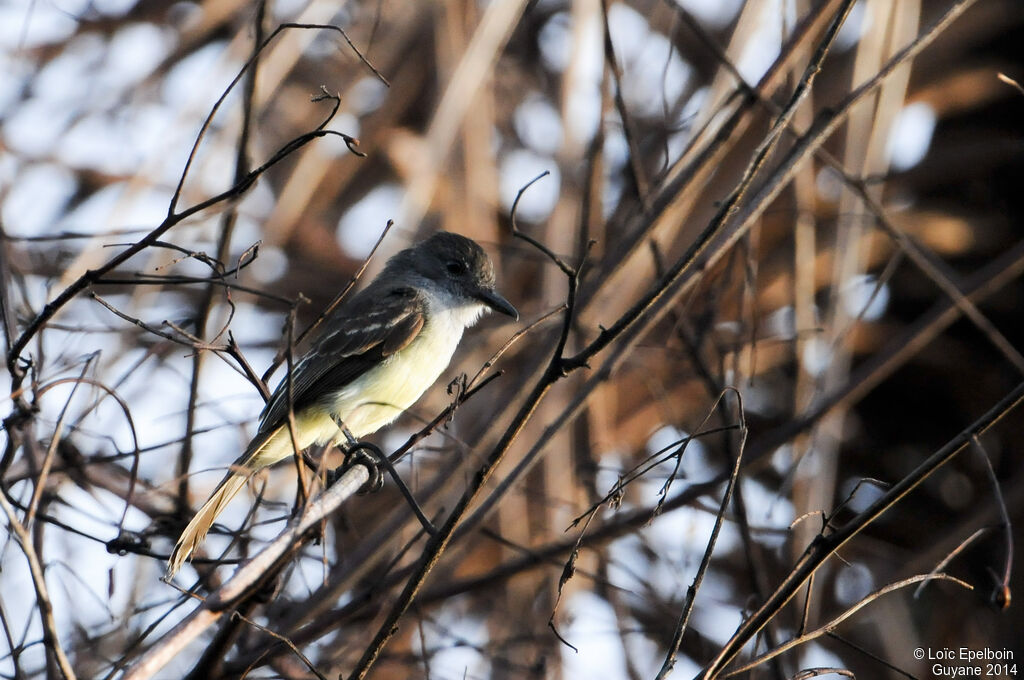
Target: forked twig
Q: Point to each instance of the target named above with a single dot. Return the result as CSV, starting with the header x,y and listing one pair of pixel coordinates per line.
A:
x,y
705,562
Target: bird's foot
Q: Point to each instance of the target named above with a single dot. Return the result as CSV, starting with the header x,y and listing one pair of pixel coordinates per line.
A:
x,y
369,456
374,460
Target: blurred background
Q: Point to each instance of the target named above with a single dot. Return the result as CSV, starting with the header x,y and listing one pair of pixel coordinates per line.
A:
x,y
863,296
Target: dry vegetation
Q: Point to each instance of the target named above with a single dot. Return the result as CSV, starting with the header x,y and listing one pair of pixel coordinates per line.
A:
x,y
753,262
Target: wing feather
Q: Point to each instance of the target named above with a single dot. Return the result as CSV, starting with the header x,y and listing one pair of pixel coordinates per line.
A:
x,y
359,336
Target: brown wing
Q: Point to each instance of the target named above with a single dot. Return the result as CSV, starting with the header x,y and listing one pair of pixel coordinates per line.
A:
x,y
356,338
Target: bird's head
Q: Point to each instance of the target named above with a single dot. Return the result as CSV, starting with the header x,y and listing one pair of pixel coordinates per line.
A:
x,y
456,264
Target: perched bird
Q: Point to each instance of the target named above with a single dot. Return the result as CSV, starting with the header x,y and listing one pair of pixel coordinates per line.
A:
x,y
376,355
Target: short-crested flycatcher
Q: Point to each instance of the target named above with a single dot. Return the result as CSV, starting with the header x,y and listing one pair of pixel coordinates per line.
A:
x,y
375,356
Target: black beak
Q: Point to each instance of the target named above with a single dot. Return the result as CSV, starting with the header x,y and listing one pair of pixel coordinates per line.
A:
x,y
495,301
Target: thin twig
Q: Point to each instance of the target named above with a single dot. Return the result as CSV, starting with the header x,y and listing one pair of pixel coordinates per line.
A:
x,y
944,562
45,606
834,623
153,280
227,228
1001,595
629,131
520,234
533,325
58,432
235,353
142,324
705,562
231,86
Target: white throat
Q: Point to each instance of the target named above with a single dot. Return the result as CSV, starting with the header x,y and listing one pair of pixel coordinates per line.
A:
x,y
455,313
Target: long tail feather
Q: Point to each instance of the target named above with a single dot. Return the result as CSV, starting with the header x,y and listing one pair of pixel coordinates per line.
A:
x,y
261,452
197,529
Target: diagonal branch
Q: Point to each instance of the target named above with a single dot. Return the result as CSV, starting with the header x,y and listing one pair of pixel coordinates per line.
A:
x,y
247,577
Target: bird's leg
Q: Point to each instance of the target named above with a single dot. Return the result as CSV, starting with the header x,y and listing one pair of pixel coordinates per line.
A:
x,y
349,437
373,459
308,460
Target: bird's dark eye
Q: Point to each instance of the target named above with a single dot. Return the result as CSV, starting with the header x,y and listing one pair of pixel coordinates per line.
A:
x,y
455,267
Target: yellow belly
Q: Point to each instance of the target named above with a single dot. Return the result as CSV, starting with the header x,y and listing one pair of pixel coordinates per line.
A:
x,y
382,394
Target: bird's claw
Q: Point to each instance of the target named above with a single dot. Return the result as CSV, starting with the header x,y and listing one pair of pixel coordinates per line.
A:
x,y
368,456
